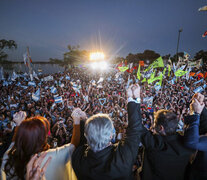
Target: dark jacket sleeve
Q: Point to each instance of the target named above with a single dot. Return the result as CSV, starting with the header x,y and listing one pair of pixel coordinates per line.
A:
x,y
128,149
191,137
203,122
151,141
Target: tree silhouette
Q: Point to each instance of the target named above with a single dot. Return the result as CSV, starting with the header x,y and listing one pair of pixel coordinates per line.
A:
x,y
75,55
146,55
4,44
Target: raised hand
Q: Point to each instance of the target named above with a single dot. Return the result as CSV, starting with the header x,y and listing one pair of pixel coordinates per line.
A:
x,y
77,115
18,117
136,91
197,107
199,97
129,91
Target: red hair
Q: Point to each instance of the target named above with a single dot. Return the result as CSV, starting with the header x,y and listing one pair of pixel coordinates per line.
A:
x,y
29,138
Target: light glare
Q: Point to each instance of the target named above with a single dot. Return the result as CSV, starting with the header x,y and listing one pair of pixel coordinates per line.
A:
x,y
97,56
103,65
99,65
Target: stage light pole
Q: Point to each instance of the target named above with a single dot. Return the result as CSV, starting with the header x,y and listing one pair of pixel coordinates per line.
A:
x,y
179,31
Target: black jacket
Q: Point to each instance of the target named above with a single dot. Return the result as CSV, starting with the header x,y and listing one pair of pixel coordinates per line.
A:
x,y
115,161
198,169
165,157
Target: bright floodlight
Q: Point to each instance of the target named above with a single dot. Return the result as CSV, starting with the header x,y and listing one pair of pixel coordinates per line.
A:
x,y
97,56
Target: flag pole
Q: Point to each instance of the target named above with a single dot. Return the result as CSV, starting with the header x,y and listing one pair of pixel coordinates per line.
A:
x,y
180,30
29,64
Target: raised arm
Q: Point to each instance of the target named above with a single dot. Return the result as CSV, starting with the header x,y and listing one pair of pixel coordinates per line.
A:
x,y
203,116
129,147
77,115
191,136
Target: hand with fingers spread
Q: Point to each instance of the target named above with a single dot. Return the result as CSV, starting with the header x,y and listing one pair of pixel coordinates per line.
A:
x,y
19,117
34,170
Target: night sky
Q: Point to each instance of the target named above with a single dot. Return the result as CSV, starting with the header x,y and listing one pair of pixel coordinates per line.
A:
x,y
118,27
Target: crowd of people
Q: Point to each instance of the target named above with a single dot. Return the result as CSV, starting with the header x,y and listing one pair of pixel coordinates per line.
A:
x,y
55,96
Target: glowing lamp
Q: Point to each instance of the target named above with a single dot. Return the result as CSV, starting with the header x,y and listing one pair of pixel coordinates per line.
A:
x,y
94,56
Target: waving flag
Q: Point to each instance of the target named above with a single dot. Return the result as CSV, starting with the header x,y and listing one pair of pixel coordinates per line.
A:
x,y
53,90
123,69
157,63
35,98
138,73
144,80
164,71
31,83
198,81
180,73
198,90
169,69
36,95
151,80
100,80
58,99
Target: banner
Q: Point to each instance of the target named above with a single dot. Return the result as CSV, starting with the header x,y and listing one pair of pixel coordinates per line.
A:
x,y
157,63
141,63
31,83
198,81
156,78
58,99
53,90
169,70
123,69
180,73
138,73
198,90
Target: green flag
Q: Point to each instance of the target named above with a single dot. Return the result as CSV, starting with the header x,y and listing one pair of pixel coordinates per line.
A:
x,y
164,71
144,80
150,80
157,63
180,73
156,78
138,73
161,77
169,69
123,69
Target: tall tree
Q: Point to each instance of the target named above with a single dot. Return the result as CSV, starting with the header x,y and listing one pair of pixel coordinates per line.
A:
x,y
4,44
75,55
